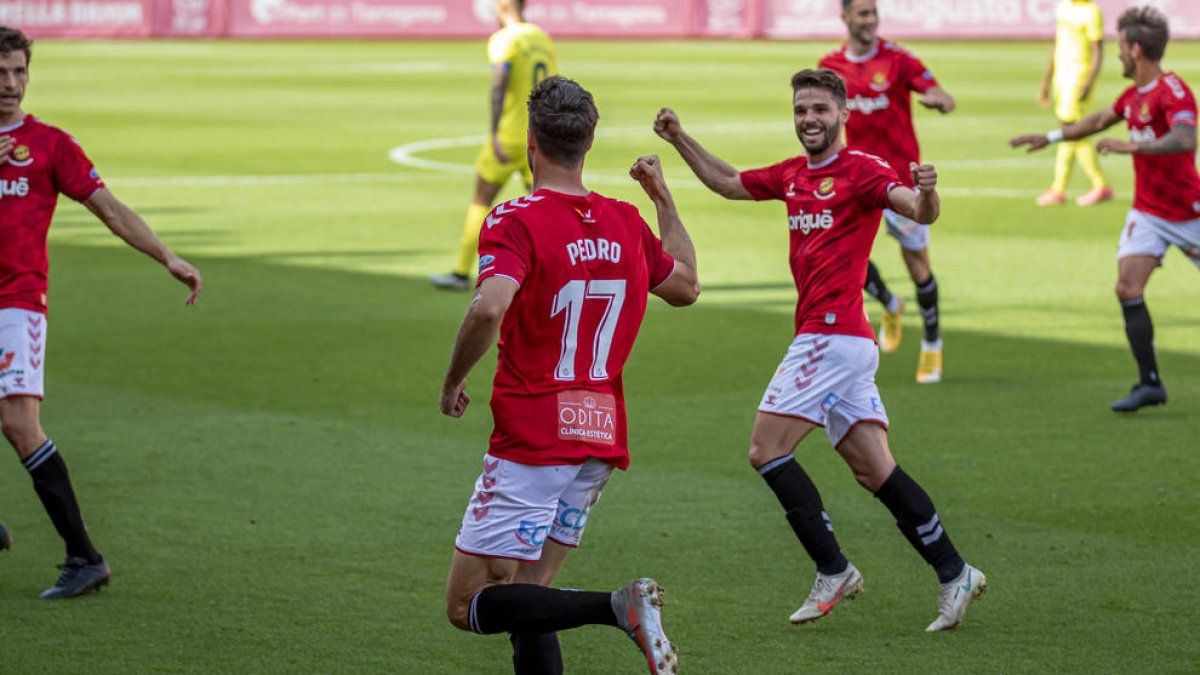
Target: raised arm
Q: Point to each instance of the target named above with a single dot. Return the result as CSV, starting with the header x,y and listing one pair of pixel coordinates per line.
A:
x,y
475,337
500,73
1092,124
923,204
1181,138
716,174
683,286
129,226
938,99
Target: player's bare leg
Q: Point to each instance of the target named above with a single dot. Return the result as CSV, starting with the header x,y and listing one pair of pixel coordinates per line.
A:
x,y
1132,274
772,442
929,364
459,278
84,568
865,450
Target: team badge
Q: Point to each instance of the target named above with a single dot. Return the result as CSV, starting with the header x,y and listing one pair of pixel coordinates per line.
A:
x,y
20,156
879,82
824,189
1144,113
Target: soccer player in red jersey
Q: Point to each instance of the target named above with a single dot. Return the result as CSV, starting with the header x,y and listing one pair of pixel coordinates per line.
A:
x,y
1160,111
835,197
879,76
37,163
564,275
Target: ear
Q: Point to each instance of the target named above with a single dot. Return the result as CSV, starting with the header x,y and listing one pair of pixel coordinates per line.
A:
x,y
531,140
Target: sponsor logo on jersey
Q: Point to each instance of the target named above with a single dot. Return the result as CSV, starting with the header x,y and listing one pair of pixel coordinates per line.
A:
x,y
587,416
586,216
583,250
868,104
825,189
807,222
484,261
14,188
1142,135
20,156
880,82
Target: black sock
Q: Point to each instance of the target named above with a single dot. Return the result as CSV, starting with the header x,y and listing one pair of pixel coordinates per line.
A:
x,y
53,486
1140,331
802,503
918,521
875,286
927,298
536,654
529,608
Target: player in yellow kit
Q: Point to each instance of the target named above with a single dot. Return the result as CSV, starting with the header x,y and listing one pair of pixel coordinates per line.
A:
x,y
521,55
1074,67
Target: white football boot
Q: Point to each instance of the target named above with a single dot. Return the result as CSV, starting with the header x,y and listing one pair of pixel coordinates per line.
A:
x,y
827,592
637,607
956,596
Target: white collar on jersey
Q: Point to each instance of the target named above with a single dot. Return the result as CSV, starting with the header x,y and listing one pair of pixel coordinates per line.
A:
x,y
865,57
13,126
1149,87
824,163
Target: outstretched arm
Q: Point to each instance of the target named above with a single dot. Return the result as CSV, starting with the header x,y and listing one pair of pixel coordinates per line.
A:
x,y
923,204
129,226
1092,124
683,286
938,99
716,174
1181,138
475,337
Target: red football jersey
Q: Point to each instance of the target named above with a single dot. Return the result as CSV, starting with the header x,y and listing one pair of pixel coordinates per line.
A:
x,y
44,162
878,87
833,214
584,267
1166,186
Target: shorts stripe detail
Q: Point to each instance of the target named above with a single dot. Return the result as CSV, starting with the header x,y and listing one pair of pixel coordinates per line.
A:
x,y
40,455
762,470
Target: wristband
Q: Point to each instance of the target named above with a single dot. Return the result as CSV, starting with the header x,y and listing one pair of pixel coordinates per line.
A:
x,y
1054,135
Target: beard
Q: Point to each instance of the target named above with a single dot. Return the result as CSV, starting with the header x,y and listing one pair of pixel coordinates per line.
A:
x,y
822,143
1128,67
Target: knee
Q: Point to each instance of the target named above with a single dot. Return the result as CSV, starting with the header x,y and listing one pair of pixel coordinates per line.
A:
x,y
24,435
1128,291
870,480
459,614
763,453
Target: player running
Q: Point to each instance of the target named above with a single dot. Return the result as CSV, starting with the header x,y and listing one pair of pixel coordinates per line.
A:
x,y
1160,112
521,55
37,163
834,198
879,76
1074,67
564,275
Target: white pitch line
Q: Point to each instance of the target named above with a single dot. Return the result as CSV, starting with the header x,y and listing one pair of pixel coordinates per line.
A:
x,y
264,180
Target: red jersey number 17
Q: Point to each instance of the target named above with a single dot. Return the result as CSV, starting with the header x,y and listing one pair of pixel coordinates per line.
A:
x,y
570,299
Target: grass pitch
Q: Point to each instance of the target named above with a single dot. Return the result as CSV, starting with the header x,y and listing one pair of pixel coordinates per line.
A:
x,y
276,491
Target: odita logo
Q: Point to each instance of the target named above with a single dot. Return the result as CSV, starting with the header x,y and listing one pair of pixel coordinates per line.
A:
x,y
807,222
571,518
868,104
14,188
532,534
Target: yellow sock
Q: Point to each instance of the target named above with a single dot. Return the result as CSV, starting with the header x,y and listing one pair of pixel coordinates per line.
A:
x,y
1086,152
468,247
1062,165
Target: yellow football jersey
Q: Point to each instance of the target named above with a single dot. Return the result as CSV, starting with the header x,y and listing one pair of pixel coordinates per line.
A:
x,y
1080,26
530,56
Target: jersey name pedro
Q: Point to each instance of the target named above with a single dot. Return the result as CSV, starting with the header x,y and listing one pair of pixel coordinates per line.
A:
x,y
878,87
44,162
530,57
1166,186
833,214
584,267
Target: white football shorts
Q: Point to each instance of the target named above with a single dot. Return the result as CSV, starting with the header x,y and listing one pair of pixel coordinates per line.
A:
x,y
912,235
515,507
1145,234
828,380
22,352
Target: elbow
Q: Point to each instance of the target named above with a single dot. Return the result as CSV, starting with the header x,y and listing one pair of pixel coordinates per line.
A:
x,y
687,296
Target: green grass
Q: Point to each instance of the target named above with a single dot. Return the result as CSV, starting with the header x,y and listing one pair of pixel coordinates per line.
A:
x,y
276,491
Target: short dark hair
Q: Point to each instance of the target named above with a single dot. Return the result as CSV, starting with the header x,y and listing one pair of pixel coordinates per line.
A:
x,y
846,5
821,78
1147,27
13,40
562,116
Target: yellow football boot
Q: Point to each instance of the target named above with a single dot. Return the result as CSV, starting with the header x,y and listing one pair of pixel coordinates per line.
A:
x,y
929,367
890,329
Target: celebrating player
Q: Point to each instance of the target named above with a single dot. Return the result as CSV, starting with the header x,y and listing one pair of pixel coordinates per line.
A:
x,y
37,162
1160,111
521,55
834,199
1074,67
879,77
564,275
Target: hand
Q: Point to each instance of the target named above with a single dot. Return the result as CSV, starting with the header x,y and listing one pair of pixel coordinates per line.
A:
x,y
1107,145
499,150
189,275
1034,141
667,126
934,100
1043,98
924,176
6,145
647,170
454,399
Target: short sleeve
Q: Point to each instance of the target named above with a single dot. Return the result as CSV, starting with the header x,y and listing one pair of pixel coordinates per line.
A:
x,y
504,249
74,174
1179,105
765,183
1094,30
1122,102
917,77
876,179
501,47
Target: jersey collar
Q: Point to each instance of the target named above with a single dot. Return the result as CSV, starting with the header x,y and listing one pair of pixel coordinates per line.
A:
x,y
14,126
1145,89
865,57
826,162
